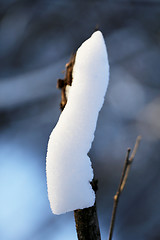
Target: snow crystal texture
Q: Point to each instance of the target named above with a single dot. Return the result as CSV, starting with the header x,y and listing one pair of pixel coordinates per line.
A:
x,y
68,166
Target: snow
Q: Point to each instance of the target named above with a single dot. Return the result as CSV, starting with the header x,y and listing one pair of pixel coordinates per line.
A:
x,y
67,90
68,166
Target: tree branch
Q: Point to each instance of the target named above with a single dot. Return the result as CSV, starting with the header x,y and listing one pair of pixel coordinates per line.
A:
x,y
125,172
86,219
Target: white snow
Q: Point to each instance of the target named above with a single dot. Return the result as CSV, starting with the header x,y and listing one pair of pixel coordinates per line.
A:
x,y
67,91
68,166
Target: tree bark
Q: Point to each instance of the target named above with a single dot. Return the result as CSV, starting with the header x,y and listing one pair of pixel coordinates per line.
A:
x,y
86,220
87,223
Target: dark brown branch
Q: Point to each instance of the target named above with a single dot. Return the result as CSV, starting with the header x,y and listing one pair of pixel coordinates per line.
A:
x,y
125,172
62,83
87,223
86,219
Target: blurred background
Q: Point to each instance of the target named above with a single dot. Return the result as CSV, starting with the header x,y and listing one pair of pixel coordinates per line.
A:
x,y
37,38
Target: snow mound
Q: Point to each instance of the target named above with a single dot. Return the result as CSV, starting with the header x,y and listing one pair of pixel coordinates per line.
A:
x,y
68,167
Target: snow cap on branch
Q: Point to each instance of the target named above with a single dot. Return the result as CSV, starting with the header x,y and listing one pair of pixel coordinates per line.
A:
x,y
68,167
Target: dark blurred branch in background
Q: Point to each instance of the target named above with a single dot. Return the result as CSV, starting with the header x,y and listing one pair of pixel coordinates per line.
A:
x,y
125,172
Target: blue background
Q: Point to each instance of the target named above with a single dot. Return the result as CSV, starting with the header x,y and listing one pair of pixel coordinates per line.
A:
x,y
37,38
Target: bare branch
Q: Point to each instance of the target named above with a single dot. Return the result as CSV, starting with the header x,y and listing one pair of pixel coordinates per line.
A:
x,y
125,172
130,161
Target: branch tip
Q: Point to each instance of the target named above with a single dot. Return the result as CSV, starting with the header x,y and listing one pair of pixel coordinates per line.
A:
x,y
125,172
135,148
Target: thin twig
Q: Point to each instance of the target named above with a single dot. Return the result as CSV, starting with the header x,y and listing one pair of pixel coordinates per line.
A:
x,y
125,172
130,161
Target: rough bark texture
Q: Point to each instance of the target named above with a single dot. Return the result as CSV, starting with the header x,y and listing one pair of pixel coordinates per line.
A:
x,y
62,83
87,223
86,219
